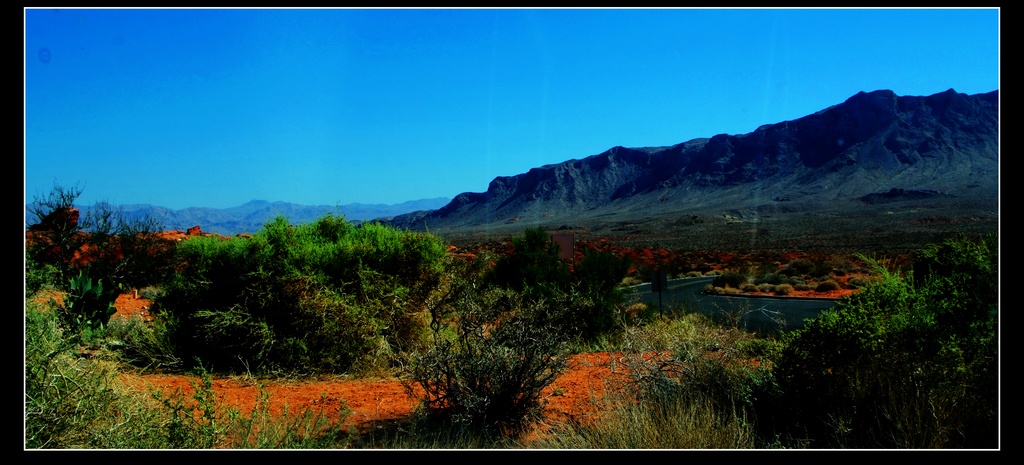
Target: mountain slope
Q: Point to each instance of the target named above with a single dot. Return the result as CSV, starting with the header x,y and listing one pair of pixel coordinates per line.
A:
x,y
945,144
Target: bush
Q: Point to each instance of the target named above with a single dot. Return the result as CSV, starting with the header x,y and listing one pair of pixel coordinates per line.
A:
x,y
798,267
151,293
709,289
783,289
141,343
827,285
708,368
533,266
494,351
733,279
321,297
670,422
598,295
907,362
55,236
749,287
858,282
39,275
70,402
590,293
770,278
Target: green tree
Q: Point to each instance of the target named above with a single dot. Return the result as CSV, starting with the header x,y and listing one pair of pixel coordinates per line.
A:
x,y
590,292
598,277
533,266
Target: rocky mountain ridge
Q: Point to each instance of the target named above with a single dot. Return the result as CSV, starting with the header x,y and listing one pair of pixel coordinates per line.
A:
x,y
873,146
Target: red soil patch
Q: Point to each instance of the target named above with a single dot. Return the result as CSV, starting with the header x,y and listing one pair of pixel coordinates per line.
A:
x,y
371,401
571,396
130,305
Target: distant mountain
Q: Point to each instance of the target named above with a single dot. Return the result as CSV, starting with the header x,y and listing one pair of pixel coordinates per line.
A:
x,y
250,217
874,147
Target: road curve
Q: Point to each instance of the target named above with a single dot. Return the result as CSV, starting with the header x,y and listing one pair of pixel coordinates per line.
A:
x,y
757,313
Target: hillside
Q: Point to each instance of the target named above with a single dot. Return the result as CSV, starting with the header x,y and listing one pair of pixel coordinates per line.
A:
x,y
877,169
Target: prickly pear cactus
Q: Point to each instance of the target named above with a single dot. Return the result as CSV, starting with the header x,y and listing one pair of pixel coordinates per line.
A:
x,y
88,304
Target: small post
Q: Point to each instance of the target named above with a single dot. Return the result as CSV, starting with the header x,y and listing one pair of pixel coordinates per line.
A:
x,y
659,282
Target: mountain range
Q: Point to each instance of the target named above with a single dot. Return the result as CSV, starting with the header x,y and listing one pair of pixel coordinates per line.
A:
x,y
854,164
251,216
875,171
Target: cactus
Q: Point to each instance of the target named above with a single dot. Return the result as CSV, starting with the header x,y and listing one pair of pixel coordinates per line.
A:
x,y
88,304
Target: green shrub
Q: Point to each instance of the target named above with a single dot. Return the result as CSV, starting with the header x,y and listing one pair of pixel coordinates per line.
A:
x,y
590,293
798,267
141,343
858,282
55,236
493,354
151,293
77,403
784,289
598,295
733,279
684,373
822,268
770,278
907,362
533,266
668,422
708,368
827,285
320,297
39,275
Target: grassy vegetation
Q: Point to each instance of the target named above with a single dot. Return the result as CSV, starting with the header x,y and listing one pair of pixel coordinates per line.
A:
x,y
910,361
77,402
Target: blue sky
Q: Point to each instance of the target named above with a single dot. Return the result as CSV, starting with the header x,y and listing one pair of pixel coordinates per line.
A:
x,y
216,107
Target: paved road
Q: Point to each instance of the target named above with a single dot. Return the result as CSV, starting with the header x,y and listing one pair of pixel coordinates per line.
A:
x,y
758,312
